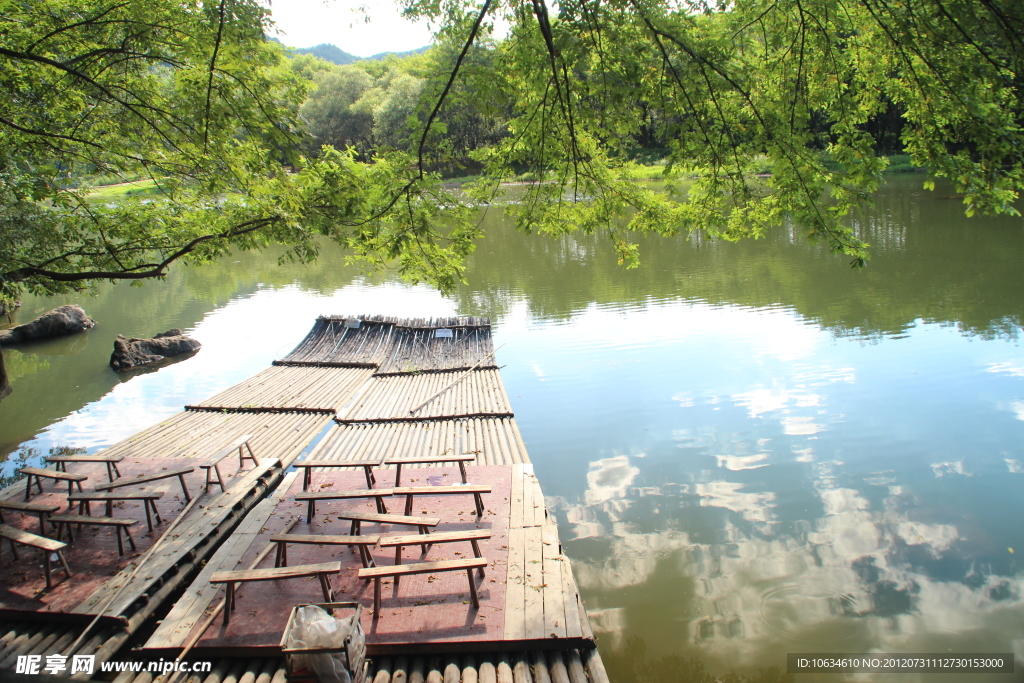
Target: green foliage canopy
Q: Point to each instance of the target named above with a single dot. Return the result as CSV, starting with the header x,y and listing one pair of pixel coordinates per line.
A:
x,y
192,95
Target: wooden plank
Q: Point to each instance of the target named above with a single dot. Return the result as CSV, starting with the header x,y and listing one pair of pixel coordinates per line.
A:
x,y
534,603
443,537
551,574
515,515
189,534
324,539
571,601
274,573
85,458
515,588
53,474
146,479
423,567
191,607
27,538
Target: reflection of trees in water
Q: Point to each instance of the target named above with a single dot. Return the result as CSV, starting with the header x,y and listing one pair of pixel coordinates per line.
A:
x,y
928,263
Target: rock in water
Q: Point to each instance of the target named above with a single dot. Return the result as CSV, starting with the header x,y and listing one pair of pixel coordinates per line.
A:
x,y
57,323
5,385
130,352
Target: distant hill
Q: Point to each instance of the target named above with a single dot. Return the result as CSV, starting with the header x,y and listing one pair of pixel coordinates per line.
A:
x,y
333,53
328,52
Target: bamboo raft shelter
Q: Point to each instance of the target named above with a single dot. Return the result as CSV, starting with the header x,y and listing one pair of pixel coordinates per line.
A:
x,y
357,390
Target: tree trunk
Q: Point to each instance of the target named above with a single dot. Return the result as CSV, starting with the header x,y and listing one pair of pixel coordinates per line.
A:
x,y
5,386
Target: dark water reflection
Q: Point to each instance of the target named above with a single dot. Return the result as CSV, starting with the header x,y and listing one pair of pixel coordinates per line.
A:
x,y
750,449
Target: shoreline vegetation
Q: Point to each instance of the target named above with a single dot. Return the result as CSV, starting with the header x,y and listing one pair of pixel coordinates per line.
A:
x,y
898,163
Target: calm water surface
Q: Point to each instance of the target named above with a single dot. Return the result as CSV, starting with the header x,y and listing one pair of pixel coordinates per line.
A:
x,y
749,448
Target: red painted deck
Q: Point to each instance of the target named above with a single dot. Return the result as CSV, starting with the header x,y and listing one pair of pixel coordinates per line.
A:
x,y
427,607
93,556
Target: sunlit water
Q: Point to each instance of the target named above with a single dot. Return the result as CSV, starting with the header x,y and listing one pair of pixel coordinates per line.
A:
x,y
749,449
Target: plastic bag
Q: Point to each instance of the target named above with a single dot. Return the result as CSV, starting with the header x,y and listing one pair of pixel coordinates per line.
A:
x,y
313,627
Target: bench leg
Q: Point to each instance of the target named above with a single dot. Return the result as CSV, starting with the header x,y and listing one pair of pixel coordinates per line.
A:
x,y
282,555
242,457
110,508
28,486
472,589
110,472
156,513
310,510
14,549
229,602
46,569
64,563
354,531
376,597
380,505
479,504
325,585
398,475
408,504
184,488
149,518
366,557
116,471
424,531
220,478
131,541
370,479
462,468
120,546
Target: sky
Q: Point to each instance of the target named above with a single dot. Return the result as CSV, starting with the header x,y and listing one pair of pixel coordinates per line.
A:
x,y
305,23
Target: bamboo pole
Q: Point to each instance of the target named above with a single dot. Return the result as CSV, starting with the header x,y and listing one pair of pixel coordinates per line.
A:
x,y
460,378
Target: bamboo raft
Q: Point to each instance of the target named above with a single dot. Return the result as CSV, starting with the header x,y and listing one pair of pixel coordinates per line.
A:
x,y
394,388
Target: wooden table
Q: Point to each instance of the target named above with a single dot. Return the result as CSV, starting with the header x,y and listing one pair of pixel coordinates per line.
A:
x,y
109,460
38,508
179,473
312,498
148,499
308,465
398,462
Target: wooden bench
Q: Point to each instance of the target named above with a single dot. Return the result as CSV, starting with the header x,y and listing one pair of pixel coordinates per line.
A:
x,y
397,571
308,465
312,498
179,473
410,491
47,545
148,499
474,536
434,460
422,524
62,522
322,571
38,508
39,473
241,444
109,460
362,544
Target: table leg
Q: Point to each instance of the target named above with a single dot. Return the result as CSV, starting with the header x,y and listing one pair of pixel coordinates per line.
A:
x,y
472,589
184,488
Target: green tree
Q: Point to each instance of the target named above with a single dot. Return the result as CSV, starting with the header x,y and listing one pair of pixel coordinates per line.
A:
x,y
334,113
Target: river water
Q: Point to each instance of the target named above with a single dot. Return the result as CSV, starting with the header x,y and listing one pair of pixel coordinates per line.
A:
x,y
750,449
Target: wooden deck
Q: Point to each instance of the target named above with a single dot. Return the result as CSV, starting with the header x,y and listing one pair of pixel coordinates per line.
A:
x,y
396,389
527,597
